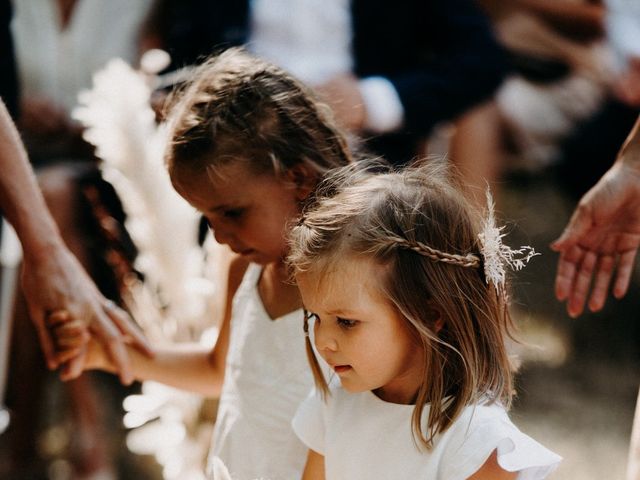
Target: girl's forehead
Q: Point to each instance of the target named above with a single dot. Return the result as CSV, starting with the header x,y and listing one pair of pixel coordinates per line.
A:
x,y
347,283
227,185
233,176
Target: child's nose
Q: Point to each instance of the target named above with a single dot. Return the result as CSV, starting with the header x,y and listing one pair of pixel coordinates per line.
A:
x,y
325,341
221,234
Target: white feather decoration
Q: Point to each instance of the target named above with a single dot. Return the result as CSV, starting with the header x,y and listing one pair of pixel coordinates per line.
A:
x,y
173,303
496,254
121,124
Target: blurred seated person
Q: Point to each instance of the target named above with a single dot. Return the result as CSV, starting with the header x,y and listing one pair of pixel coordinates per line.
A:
x,y
390,71
559,110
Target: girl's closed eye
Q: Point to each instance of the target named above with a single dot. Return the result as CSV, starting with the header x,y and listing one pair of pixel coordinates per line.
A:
x,y
345,323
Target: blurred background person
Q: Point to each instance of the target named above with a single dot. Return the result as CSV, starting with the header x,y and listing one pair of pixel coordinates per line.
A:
x,y
390,71
560,111
58,46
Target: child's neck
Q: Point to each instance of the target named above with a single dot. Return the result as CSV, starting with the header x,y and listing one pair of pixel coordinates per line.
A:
x,y
278,293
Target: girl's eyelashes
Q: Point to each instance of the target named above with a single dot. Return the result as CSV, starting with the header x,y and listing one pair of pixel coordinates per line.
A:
x,y
233,213
346,323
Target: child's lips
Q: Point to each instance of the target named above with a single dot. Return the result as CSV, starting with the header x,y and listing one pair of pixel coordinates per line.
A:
x,y
242,251
341,368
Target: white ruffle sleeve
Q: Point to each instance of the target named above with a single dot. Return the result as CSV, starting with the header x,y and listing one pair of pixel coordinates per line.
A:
x,y
308,422
471,443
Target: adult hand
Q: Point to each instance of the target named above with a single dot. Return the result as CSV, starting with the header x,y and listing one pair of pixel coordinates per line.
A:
x,y
55,280
601,238
342,94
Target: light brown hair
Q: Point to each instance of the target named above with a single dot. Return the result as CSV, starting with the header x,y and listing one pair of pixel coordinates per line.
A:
x,y
420,228
240,108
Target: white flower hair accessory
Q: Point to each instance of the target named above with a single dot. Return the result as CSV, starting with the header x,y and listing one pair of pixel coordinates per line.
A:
x,y
497,255
494,255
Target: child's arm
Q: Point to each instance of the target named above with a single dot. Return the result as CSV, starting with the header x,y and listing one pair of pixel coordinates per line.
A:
x,y
314,468
187,366
492,471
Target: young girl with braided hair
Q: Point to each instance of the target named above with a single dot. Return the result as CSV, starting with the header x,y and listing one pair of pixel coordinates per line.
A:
x,y
405,290
249,144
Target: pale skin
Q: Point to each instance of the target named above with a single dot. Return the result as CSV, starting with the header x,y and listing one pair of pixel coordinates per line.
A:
x,y
254,230
353,327
600,243
52,278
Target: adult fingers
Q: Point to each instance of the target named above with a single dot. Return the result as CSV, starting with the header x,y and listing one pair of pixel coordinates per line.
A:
x,y
74,367
623,276
567,267
113,344
127,326
602,280
38,318
69,330
71,339
67,355
57,317
579,292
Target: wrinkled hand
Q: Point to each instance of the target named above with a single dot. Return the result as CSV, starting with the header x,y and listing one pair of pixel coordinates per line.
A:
x,y
601,239
56,281
342,94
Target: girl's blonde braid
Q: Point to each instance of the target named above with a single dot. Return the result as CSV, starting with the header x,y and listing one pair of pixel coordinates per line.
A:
x,y
468,261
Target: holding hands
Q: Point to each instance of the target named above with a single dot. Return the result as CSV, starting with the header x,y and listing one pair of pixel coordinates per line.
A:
x,y
52,282
71,340
602,238
52,278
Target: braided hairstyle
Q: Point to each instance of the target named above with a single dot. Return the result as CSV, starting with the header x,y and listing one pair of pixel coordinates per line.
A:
x,y
240,108
418,226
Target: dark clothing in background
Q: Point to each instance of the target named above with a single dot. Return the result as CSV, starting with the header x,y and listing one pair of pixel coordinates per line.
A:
x,y
589,151
440,55
8,74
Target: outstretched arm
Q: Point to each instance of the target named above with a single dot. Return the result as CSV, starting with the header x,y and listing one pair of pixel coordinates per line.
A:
x,y
52,278
602,238
188,366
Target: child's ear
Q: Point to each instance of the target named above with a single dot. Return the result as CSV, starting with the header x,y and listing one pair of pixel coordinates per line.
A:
x,y
303,178
435,318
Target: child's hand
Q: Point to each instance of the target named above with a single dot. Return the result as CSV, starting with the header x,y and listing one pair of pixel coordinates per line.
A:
x,y
71,337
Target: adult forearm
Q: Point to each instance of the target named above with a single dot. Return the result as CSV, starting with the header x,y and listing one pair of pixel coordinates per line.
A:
x,y
629,154
20,198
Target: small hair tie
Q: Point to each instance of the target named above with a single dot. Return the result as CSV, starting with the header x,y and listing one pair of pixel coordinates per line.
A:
x,y
305,325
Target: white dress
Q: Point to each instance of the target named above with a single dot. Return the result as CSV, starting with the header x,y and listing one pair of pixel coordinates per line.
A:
x,y
267,376
363,437
56,63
